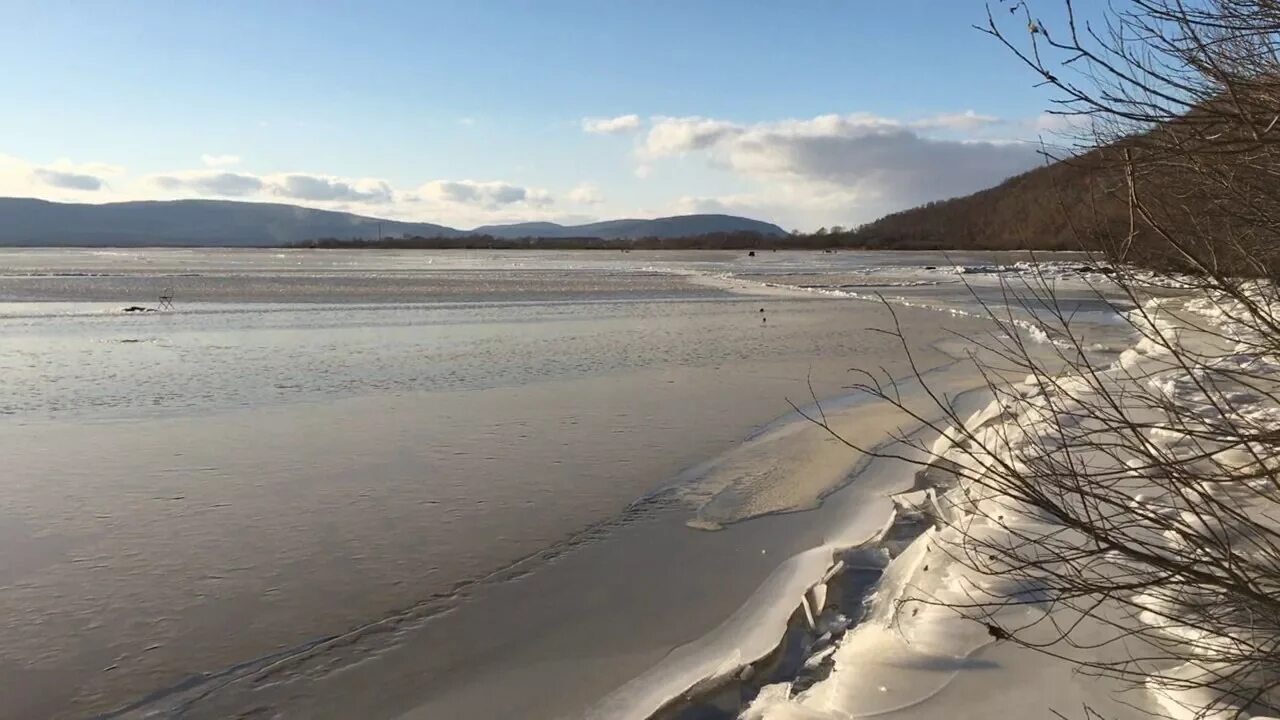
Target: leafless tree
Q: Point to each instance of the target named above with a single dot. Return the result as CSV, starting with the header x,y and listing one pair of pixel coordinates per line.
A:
x,y
1140,497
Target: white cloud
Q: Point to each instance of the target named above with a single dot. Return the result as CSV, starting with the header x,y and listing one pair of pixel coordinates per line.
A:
x,y
491,194
62,175
674,136
1058,128
220,160
302,186
100,169
893,159
539,198
963,121
619,125
67,180
844,169
202,182
585,194
293,186
643,171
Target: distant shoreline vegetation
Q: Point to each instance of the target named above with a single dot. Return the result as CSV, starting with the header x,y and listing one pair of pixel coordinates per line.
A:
x,y
823,239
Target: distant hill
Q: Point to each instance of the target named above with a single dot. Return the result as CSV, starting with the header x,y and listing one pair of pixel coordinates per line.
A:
x,y
666,227
25,221
528,229
223,223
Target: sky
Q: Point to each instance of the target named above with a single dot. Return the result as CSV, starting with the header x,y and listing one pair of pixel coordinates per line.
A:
x,y
806,113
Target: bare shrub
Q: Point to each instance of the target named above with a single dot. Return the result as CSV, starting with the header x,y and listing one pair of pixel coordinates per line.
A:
x,y
1139,496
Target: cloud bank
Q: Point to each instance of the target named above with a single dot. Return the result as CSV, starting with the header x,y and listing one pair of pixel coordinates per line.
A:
x,y
67,180
300,186
61,178
843,169
292,186
491,195
221,184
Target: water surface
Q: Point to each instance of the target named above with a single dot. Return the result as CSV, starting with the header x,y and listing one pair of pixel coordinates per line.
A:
x,y
315,442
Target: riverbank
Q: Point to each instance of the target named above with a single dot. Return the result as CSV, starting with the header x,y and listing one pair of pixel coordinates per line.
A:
x,y
986,562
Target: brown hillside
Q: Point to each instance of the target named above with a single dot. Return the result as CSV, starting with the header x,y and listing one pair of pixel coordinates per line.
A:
x,y
1070,204
1203,200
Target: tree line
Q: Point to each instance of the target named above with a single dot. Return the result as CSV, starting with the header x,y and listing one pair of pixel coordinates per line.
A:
x,y
741,240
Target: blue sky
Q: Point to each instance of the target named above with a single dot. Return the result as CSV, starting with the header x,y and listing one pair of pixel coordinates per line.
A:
x,y
807,113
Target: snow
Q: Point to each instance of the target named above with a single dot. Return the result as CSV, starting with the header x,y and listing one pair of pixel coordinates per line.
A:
x,y
915,655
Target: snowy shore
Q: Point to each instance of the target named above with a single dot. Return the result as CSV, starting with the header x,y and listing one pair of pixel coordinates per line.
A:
x,y
900,625
922,649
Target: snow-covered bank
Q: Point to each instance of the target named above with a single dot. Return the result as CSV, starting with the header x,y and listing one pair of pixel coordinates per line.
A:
x,y
758,628
935,640
792,467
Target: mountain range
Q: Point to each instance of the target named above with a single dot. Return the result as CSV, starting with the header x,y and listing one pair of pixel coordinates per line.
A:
x,y
224,223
